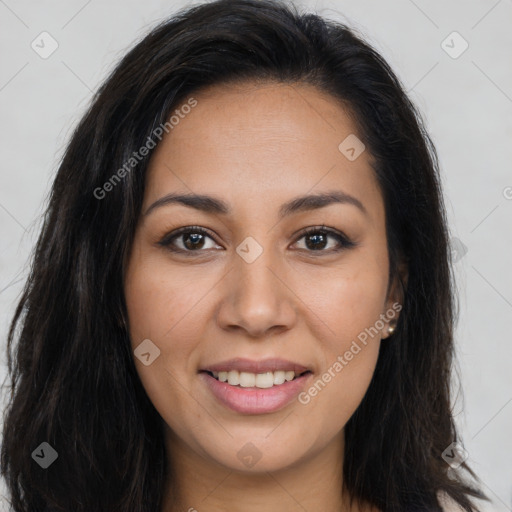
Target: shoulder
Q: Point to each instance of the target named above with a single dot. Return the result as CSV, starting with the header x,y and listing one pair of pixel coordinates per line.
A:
x,y
447,503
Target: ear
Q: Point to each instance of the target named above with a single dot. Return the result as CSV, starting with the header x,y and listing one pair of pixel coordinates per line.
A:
x,y
394,300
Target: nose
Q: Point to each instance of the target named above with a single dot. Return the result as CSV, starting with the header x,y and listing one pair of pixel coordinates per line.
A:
x,y
257,298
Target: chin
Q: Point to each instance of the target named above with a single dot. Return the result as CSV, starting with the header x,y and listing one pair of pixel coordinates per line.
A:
x,y
260,453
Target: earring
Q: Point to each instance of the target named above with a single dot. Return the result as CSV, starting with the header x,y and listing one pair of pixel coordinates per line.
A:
x,y
391,329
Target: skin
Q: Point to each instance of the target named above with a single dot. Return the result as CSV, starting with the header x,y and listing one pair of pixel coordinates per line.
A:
x,y
257,146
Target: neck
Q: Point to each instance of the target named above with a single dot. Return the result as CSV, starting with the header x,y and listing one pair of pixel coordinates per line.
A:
x,y
198,483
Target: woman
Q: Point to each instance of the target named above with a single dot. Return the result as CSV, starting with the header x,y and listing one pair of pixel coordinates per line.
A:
x,y
241,296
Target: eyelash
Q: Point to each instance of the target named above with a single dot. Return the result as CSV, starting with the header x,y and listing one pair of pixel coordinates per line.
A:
x,y
344,242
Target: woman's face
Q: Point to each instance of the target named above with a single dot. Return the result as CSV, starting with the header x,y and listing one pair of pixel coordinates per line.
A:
x,y
254,295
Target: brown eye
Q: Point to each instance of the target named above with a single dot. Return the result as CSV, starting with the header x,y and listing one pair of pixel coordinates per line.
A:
x,y
193,241
188,239
317,239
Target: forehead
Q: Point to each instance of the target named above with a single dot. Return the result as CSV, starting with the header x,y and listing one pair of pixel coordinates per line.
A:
x,y
260,141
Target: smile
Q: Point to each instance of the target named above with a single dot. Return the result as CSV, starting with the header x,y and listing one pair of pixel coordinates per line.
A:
x,y
258,380
255,387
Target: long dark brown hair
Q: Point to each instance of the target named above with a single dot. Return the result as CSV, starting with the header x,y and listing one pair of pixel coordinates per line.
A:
x,y
73,382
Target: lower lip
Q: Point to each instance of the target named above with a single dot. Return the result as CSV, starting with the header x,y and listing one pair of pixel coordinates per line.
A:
x,y
255,400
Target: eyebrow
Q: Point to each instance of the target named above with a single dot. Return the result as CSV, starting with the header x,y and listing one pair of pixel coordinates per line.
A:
x,y
210,204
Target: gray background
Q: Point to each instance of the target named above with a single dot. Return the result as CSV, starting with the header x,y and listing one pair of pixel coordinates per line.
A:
x,y
467,103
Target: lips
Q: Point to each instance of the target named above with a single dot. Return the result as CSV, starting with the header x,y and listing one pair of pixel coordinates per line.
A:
x,y
255,387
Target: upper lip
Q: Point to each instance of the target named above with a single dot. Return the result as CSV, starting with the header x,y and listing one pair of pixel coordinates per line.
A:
x,y
251,366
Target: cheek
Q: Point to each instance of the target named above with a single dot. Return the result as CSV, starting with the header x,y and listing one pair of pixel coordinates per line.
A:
x,y
162,301
357,302
349,304
163,305
347,300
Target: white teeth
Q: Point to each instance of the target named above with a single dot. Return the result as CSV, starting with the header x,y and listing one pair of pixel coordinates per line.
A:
x,y
233,378
250,380
265,380
289,375
247,380
279,377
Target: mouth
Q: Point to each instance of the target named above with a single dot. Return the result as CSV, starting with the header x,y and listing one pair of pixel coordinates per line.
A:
x,y
255,387
264,380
